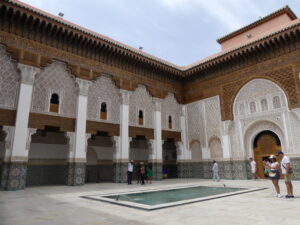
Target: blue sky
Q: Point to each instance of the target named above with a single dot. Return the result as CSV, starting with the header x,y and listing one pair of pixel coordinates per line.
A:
x,y
179,31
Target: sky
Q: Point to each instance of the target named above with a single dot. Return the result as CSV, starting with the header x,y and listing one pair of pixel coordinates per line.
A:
x,y
179,31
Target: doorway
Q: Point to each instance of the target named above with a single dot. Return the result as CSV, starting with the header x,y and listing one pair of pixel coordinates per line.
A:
x,y
266,143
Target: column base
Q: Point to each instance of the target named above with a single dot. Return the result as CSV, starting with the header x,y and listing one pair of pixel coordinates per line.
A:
x,y
76,174
157,171
13,176
120,172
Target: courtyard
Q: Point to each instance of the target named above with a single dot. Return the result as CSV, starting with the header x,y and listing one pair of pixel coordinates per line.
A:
x,y
64,205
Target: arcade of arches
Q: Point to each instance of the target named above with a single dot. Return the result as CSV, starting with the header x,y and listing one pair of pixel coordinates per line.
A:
x,y
76,109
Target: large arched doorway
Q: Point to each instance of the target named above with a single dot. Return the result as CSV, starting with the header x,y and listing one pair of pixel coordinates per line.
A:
x,y
100,154
265,143
48,158
139,152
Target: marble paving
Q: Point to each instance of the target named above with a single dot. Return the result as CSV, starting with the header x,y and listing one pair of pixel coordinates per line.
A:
x,y
63,205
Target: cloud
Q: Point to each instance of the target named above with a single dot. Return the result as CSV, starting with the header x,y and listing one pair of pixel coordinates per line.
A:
x,y
230,13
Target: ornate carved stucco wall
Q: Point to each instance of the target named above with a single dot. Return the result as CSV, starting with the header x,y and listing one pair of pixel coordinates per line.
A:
x,y
204,122
9,81
170,107
262,105
55,78
140,99
104,90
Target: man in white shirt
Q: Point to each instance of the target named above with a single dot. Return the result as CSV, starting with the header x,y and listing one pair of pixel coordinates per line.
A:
x,y
129,172
286,171
215,170
253,168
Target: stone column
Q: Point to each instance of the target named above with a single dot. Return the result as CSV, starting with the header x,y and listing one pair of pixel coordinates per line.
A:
x,y
15,165
77,159
185,167
156,144
155,160
121,144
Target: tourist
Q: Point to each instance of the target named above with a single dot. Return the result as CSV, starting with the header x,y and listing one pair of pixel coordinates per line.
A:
x,y
215,169
142,173
138,173
253,168
149,173
274,174
129,172
287,171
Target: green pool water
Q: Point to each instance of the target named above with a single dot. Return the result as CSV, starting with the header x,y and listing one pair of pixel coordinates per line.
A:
x,y
168,196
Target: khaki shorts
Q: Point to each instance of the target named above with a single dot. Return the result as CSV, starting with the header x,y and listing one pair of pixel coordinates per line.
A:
x,y
287,178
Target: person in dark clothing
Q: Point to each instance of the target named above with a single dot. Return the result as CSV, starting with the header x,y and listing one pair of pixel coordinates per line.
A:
x,y
142,173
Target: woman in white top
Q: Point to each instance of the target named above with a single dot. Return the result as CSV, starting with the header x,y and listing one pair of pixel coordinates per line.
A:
x,y
274,174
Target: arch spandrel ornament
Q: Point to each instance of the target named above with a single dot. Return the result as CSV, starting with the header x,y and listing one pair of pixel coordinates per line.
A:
x,y
284,78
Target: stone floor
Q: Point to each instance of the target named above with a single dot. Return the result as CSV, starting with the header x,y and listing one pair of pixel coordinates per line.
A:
x,y
62,205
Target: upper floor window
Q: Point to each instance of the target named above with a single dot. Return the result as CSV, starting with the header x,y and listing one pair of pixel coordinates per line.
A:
x,y
276,102
170,122
252,107
241,109
141,117
103,111
264,105
54,103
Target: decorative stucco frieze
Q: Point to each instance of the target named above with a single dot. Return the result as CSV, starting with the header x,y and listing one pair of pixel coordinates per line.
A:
x,y
140,99
103,90
170,107
54,77
9,81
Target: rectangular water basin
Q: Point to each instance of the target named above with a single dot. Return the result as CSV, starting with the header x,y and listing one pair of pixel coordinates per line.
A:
x,y
162,198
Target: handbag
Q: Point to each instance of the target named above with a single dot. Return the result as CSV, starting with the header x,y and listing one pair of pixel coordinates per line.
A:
x,y
272,174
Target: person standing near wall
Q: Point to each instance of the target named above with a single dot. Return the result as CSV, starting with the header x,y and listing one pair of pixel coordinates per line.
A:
x,y
149,173
215,170
253,168
142,173
274,174
287,171
129,172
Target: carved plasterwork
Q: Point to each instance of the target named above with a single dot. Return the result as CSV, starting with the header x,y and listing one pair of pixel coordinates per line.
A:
x,y
104,90
170,107
9,81
125,96
215,148
259,97
9,137
255,128
55,77
284,77
30,132
83,86
140,99
212,116
195,121
28,73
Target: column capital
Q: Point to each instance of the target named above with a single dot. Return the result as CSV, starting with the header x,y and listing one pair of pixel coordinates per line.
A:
x,y
125,95
28,73
83,86
157,104
31,131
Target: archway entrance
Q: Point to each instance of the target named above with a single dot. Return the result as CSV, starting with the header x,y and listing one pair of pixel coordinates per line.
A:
x,y
266,143
100,154
139,152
